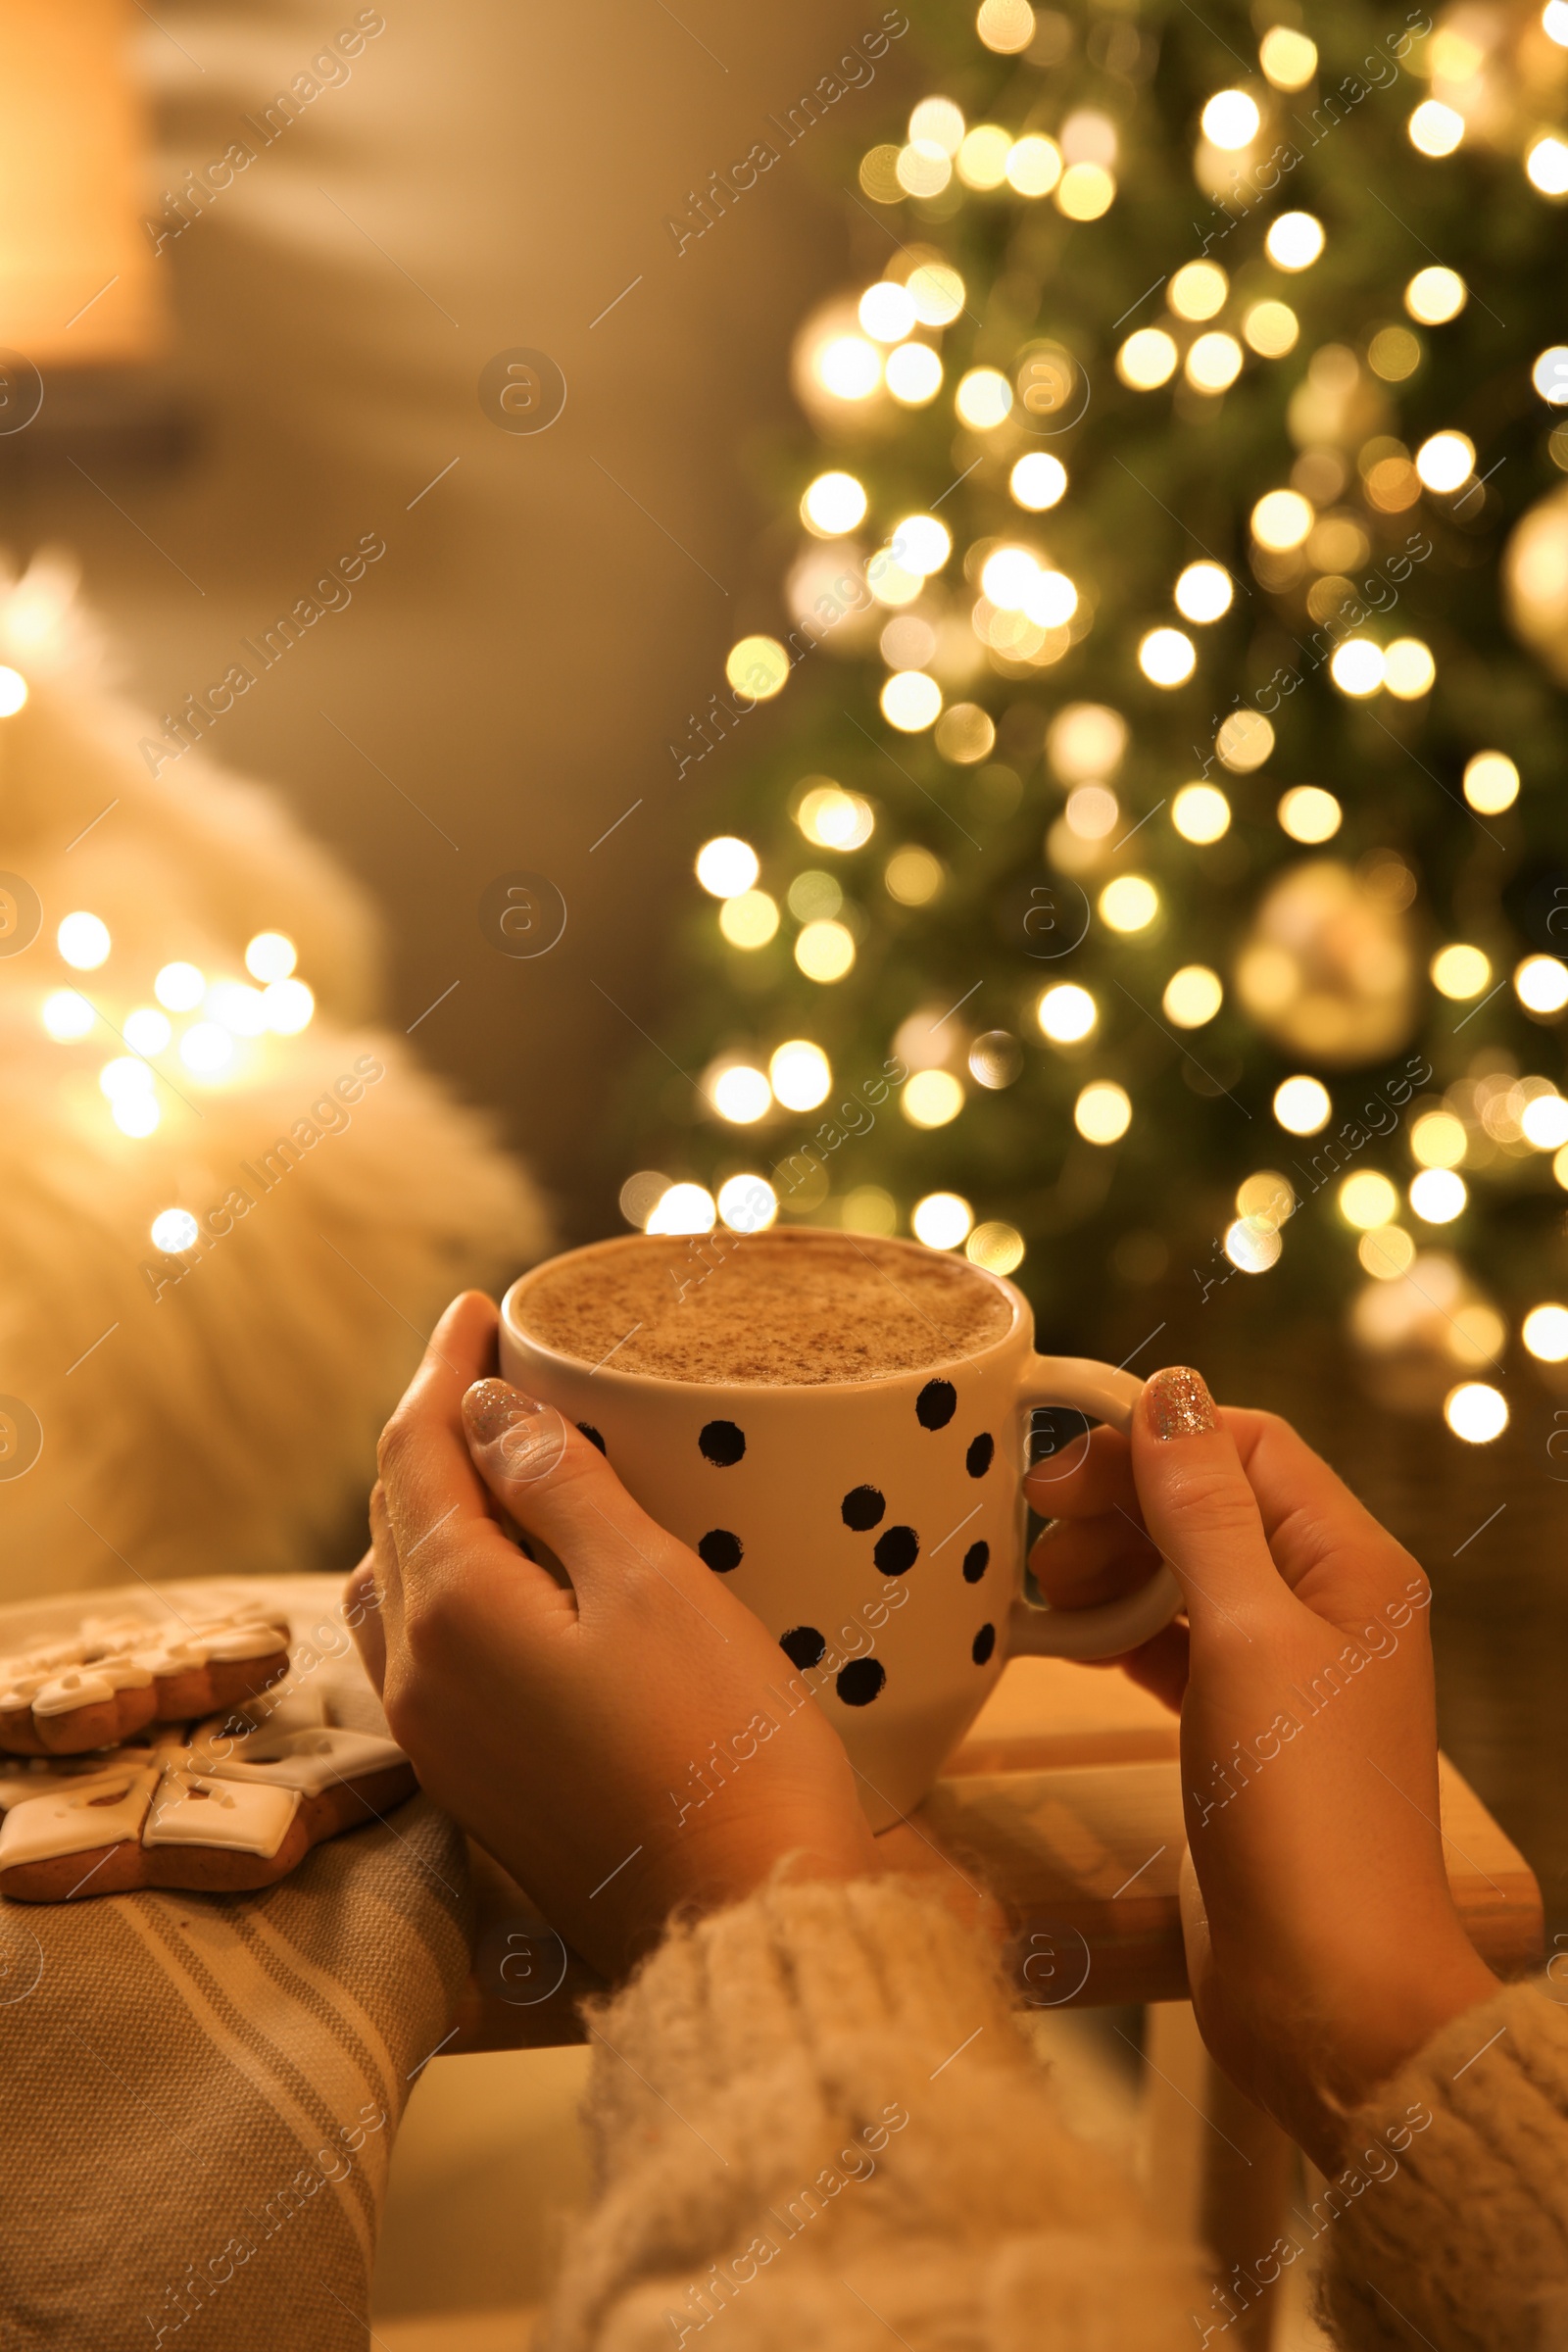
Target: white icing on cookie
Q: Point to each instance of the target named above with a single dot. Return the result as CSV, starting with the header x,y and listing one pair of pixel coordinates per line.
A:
x,y
234,1643
108,1809
195,1808
22,1778
309,1760
90,1685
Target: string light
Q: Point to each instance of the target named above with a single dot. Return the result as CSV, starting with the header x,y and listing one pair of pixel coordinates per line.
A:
x,y
1200,813
240,1009
13,691
1129,902
910,701
886,312
1356,667
1282,519
1005,25
1167,656
1037,481
1540,984
725,866
1435,129
1368,1199
1386,1252
940,121
1271,328
923,169
982,159
833,818
1476,1411
1203,592
287,1007
1308,813
1438,1195
921,544
740,1094
1302,1105
748,1203
998,1247
1034,166
173,1229
1102,1112
180,987
1244,742
937,293
1546,166
748,919
984,399
834,504
1231,120
1293,242
824,950
1287,57
83,941
66,1014
1491,782
1066,1014
147,1030
1091,812
757,668
1253,1246
1543,1122
1544,1333
1213,363
135,1116
1435,296
913,375
1438,1140
125,1075
1446,461
270,956
932,1098
206,1049
1192,995
800,1074
1197,290
848,366
684,1209
912,877
942,1220
1085,191
965,734
1460,972
1146,360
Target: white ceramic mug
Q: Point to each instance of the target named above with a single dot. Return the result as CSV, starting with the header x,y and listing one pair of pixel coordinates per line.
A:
x,y
877,1527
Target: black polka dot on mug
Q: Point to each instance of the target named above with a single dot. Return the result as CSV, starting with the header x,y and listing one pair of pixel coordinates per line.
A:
x,y
982,1452
861,1680
803,1645
862,1508
721,1549
896,1552
977,1560
723,1442
983,1643
936,1405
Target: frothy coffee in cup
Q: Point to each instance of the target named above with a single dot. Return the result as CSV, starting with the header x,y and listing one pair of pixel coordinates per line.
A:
x,y
769,1312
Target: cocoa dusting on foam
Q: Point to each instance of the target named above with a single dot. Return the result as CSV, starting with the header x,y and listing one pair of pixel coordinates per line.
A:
x,y
774,1310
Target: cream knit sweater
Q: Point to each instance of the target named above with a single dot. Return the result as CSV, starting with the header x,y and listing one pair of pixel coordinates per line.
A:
x,y
817,2124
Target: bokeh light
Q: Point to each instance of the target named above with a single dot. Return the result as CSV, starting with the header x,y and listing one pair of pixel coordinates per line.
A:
x,y
1306,812
1438,1195
1167,656
1066,1014
1203,592
1294,240
1192,995
998,1247
800,1074
1476,1411
1302,1105
746,1203
83,941
1435,296
66,1014
1231,120
1491,782
1102,1112
1368,1199
748,919
931,1099
1460,971
1129,902
740,1094
1445,461
270,956
1147,358
1540,984
984,399
1200,813
834,503
684,1209
910,701
1037,481
725,866
180,987
942,1220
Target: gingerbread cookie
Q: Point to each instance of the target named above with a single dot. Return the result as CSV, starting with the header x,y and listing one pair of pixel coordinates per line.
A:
x,y
161,1817
114,1682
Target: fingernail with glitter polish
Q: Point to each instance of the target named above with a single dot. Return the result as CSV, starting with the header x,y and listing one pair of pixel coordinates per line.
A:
x,y
1178,1404
511,1436
491,1407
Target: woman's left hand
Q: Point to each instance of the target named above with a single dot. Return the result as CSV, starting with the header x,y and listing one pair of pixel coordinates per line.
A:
x,y
617,1728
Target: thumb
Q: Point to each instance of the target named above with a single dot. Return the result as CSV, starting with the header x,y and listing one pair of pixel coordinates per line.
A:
x,y
558,1487
1197,1504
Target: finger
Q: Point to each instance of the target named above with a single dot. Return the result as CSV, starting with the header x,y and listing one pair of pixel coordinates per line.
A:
x,y
1080,1561
1199,1507
1160,1665
1310,1515
560,1489
428,1478
1085,1480
362,1613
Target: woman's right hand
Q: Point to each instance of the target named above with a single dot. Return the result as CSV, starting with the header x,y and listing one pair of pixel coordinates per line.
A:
x,y
1323,1947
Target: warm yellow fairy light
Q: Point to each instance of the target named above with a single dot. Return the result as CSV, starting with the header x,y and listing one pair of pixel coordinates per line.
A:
x,y
1438,1195
886,312
1546,166
1086,191
1302,1105
1491,782
684,1209
1271,328
1446,461
938,119
910,701
1357,667
288,1007
982,159
1034,166
923,169
1282,519
833,818
173,1229
740,1094
1086,742
180,986
1037,481
835,503
1287,57
942,1220
1192,995
1544,1333
824,950
964,734
748,919
147,1030
921,544
931,1099
1231,120
746,1203
1554,22
1308,813
1386,1252
126,1074
1294,240
1167,656
1050,600
1203,592
848,366
83,941
912,877
800,1074
1550,374
1434,128
66,1014
1007,576
1543,1122
1091,812
1408,669
1476,1411
238,1008
1460,972
1005,25
984,399
135,1114
1066,1014
1540,984
1252,1248
725,866
757,668
1146,360
1367,1200
1200,813
1438,1140
1102,1112
206,1048
867,1208
1129,902
1197,290
1394,353
1244,741
1435,296
13,688
998,1247
270,956
914,374
1213,363
937,293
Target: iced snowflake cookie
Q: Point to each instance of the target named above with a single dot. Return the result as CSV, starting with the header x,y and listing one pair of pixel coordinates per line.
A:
x,y
193,1818
114,1681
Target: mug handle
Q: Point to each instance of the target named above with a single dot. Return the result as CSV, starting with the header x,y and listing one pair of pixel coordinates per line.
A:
x,y
1114,1626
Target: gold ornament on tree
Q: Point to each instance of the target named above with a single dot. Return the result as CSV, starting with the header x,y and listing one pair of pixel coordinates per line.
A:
x,y
1328,971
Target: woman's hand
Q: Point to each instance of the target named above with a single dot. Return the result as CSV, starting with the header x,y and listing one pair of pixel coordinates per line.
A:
x,y
1323,1947
605,1717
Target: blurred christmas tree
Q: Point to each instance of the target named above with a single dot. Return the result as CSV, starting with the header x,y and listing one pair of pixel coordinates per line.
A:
x,y
1170,766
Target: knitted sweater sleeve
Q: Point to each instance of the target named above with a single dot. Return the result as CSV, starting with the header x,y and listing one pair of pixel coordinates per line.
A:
x,y
816,2117
1451,2225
